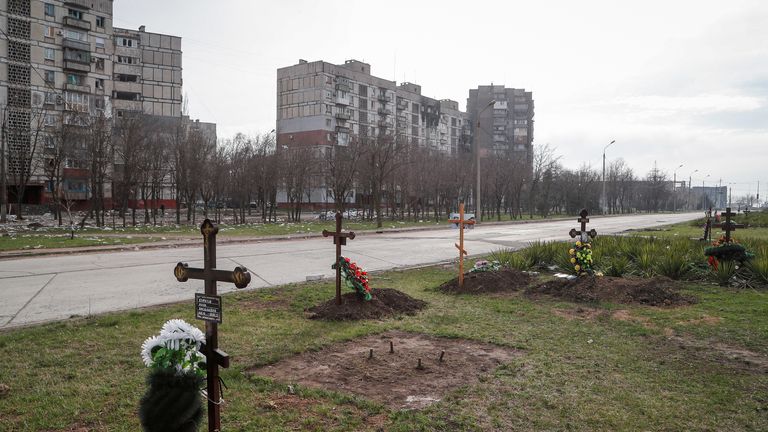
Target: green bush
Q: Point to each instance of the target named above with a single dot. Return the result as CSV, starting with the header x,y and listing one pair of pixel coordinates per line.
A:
x,y
511,259
725,271
758,266
618,267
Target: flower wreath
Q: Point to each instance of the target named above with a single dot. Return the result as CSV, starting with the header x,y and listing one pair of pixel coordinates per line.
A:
x,y
581,257
722,250
176,348
355,277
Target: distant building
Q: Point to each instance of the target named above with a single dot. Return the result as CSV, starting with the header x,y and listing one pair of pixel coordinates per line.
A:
x,y
63,60
323,104
715,196
505,118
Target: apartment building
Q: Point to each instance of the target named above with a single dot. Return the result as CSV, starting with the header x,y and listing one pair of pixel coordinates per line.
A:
x,y
323,104
505,117
63,61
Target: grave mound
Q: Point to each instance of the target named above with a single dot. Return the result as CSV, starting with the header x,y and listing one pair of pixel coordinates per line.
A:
x,y
488,282
392,378
656,291
386,302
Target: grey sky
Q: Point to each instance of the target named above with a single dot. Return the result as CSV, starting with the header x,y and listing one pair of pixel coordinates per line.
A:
x,y
671,81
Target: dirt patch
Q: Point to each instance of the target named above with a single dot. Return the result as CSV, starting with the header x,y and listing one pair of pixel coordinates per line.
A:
x,y
488,282
386,302
579,313
657,291
706,319
739,358
277,302
393,379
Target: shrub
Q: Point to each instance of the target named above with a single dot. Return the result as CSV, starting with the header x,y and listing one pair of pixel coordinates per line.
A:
x,y
511,259
672,265
619,266
725,271
758,266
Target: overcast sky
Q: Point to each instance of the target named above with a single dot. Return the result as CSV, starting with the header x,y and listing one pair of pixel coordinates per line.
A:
x,y
676,82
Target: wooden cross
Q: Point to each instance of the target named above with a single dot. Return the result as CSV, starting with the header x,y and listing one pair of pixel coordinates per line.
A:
x,y
729,225
460,246
211,275
339,239
708,225
584,235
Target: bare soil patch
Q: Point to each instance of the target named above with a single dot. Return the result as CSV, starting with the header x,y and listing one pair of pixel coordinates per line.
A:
x,y
393,379
504,280
656,291
739,358
386,302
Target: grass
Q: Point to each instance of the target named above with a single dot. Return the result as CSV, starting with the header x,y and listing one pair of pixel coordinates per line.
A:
x,y
596,374
52,241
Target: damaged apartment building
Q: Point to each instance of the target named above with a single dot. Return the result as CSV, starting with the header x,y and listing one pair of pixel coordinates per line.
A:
x,y
320,105
62,60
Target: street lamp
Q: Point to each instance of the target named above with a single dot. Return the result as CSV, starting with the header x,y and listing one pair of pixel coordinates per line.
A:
x,y
605,200
674,189
689,188
477,162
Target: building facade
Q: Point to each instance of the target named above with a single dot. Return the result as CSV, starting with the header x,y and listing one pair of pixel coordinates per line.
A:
x,y
503,120
63,63
323,104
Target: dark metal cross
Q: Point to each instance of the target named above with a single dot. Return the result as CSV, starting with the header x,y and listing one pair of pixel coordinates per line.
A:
x,y
210,274
583,234
339,239
461,222
729,225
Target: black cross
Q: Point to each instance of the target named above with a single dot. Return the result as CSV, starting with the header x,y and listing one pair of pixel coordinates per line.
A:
x,y
583,233
210,274
729,225
339,239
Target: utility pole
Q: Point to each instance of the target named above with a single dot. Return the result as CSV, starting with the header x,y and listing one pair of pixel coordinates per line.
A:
x,y
674,190
605,199
3,185
478,208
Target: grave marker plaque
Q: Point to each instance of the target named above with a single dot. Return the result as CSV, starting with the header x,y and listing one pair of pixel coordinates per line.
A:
x,y
208,308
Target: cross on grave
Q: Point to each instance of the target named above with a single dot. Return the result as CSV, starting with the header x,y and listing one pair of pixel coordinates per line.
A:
x,y
212,314
460,246
339,239
584,235
708,225
728,226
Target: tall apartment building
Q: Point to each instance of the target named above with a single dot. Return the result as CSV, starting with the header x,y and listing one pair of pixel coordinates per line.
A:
x,y
505,117
62,59
323,104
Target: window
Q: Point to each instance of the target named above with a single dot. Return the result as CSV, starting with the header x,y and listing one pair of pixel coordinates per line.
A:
x,y
50,54
50,98
50,10
75,79
76,35
127,78
130,43
99,83
77,101
50,77
127,60
74,13
100,64
49,120
48,32
98,103
99,42
100,21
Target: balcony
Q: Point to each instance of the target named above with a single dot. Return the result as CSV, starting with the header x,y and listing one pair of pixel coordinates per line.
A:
x,y
343,114
76,44
500,138
343,86
77,88
343,100
129,87
402,104
384,124
384,98
402,119
384,112
77,66
77,23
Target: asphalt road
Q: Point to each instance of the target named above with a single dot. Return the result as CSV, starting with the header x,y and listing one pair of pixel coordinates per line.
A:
x,y
48,288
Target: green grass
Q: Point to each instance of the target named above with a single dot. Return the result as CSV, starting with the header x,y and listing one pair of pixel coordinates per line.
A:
x,y
575,374
695,229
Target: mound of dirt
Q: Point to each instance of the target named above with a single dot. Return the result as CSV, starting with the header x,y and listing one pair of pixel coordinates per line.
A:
x,y
488,282
657,291
386,302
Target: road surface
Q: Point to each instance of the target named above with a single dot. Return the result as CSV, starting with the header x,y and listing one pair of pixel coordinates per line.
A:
x,y
40,289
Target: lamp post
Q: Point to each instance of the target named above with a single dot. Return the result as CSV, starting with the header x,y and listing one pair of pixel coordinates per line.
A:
x,y
689,188
3,186
704,194
674,189
605,200
478,208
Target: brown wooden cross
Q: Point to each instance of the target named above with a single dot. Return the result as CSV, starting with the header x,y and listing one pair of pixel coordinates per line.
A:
x,y
210,274
460,246
729,225
583,234
339,239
